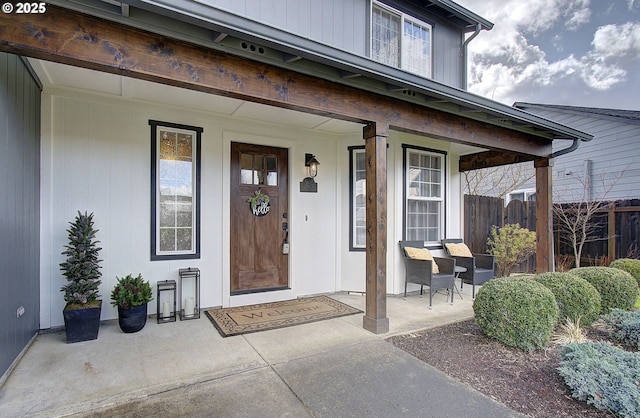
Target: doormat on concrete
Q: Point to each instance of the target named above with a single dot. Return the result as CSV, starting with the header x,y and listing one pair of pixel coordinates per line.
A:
x,y
265,316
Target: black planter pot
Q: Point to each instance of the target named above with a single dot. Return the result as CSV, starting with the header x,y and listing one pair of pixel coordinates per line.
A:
x,y
132,319
82,324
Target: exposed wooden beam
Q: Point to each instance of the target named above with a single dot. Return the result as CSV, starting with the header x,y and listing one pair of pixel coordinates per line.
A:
x,y
487,159
544,216
375,316
73,38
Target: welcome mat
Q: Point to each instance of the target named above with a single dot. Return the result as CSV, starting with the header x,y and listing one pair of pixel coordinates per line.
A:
x,y
265,316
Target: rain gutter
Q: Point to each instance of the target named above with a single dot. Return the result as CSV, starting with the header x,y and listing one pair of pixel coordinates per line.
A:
x,y
464,54
573,147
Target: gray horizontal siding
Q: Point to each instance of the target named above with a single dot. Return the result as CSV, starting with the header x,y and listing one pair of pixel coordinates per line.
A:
x,y
344,24
614,152
19,207
339,23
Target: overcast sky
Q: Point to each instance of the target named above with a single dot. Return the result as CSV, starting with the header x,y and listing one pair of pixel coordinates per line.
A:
x,y
566,52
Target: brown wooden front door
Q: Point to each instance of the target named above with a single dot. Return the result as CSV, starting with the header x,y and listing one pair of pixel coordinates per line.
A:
x,y
259,232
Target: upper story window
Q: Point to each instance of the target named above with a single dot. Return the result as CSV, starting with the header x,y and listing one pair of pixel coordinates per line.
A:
x,y
400,40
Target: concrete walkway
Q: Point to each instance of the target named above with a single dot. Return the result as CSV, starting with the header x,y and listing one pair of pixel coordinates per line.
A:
x,y
331,368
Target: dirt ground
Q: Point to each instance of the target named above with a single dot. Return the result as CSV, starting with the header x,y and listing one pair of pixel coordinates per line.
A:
x,y
526,382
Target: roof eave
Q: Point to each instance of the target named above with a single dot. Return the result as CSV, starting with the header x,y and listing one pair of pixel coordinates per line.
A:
x,y
331,63
464,13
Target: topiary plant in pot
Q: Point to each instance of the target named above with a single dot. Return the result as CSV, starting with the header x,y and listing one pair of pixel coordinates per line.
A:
x,y
82,271
130,296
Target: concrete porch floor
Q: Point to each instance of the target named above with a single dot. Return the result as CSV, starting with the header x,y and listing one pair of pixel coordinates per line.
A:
x,y
331,368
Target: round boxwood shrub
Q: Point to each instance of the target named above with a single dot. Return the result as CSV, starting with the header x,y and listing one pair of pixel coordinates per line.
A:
x,y
575,296
629,265
516,312
618,289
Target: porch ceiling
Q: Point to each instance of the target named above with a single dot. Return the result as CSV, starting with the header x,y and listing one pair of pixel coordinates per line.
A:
x,y
54,75
61,76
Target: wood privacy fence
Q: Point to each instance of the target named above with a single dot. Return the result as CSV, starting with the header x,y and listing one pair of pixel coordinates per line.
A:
x,y
623,217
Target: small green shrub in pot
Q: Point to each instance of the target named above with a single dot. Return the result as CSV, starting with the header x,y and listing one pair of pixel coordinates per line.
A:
x,y
603,375
130,292
629,265
577,299
617,288
516,312
81,266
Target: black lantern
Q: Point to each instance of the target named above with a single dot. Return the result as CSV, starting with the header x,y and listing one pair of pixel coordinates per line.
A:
x,y
308,184
166,310
312,164
189,293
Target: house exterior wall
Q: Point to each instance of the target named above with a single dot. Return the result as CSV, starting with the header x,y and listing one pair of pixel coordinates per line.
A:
x,y
19,207
345,25
353,262
96,157
341,24
610,162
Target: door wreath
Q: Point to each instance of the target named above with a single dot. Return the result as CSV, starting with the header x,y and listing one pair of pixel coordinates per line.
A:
x,y
259,203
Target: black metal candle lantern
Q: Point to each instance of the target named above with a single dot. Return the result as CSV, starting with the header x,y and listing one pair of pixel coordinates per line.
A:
x,y
166,301
189,293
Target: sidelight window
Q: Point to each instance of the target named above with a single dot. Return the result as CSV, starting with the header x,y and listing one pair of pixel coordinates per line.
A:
x,y
358,182
175,215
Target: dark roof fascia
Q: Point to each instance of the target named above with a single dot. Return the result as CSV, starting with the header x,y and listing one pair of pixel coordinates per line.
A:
x,y
443,9
464,13
396,82
618,115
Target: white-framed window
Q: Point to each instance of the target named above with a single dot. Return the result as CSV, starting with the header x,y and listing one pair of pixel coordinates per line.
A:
x,y
357,198
424,193
175,191
400,40
522,195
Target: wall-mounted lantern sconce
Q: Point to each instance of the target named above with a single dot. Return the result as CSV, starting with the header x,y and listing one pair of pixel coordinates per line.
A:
x,y
308,184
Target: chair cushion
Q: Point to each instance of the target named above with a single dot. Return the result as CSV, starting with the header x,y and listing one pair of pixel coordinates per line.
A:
x,y
460,249
422,254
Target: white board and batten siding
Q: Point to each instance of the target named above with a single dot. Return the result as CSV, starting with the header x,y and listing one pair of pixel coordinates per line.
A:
x,y
96,157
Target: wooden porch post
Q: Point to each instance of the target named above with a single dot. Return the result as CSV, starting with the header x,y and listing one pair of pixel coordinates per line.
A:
x,y
375,316
544,216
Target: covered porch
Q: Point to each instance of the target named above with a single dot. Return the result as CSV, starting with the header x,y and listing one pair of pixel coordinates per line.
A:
x,y
488,134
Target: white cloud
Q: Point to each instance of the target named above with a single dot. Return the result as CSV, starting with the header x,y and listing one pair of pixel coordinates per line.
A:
x,y
601,76
578,18
507,67
532,16
617,40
